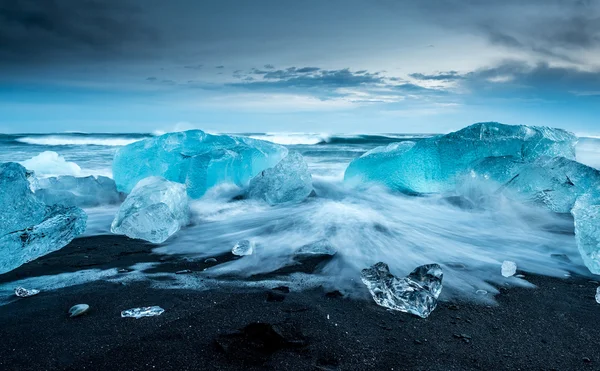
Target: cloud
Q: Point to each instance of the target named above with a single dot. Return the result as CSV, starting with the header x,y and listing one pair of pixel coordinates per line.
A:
x,y
194,67
441,76
310,77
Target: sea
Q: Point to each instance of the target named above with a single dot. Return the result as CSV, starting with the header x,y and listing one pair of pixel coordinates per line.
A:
x,y
365,227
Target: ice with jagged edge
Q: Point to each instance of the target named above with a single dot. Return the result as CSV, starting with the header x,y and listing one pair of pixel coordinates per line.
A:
x,y
416,294
586,213
154,210
554,183
76,191
138,313
287,182
28,227
196,159
432,165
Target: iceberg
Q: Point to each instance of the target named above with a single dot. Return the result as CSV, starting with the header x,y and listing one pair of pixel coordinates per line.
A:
x,y
71,191
586,213
416,294
287,182
154,210
51,163
196,159
432,165
28,227
555,183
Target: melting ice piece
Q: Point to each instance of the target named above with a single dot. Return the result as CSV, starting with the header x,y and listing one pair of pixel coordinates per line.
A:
x,y
509,268
289,181
154,210
196,159
432,164
243,247
78,310
51,163
71,191
586,213
24,293
598,295
321,247
552,182
142,312
28,227
416,294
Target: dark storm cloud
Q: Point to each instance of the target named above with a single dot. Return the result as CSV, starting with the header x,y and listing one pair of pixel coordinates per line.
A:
x,y
33,31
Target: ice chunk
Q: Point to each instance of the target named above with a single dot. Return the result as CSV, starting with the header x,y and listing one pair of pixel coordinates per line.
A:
x,y
25,293
552,182
138,313
243,247
154,210
71,191
289,181
509,268
598,295
432,164
29,228
586,213
321,247
78,310
196,159
417,293
51,163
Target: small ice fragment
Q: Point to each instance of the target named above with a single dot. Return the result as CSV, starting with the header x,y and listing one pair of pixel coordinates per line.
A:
x,y
416,293
142,312
328,316
520,275
24,293
509,268
481,292
210,260
78,310
184,271
598,295
243,247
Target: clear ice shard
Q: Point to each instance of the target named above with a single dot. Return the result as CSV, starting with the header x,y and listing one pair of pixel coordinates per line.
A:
x,y
71,191
598,295
243,247
25,293
138,313
28,227
416,293
287,182
320,247
154,210
586,214
508,268
432,165
554,183
78,310
196,159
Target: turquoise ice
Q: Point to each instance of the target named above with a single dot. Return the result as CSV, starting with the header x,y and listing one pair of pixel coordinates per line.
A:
x,y
196,159
586,213
77,191
28,227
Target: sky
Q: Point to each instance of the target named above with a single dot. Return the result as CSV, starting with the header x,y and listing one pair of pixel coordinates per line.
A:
x,y
336,66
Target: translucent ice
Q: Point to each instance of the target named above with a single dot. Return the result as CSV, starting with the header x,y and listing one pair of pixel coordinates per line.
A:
x,y
196,159
288,181
138,313
508,268
51,163
598,295
25,293
416,294
321,247
154,210
243,247
71,191
432,164
586,213
78,310
29,228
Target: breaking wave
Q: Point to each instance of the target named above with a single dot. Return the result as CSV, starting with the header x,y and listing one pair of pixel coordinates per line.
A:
x,y
79,140
316,139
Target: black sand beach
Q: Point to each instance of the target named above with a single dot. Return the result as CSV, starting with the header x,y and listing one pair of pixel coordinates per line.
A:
x,y
551,327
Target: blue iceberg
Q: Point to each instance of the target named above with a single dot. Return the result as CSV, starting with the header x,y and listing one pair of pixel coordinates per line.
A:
x,y
75,191
432,165
289,181
586,213
154,210
28,227
196,159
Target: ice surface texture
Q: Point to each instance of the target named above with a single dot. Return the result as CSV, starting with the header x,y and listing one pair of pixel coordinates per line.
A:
x,y
416,294
28,227
287,182
196,159
586,213
431,165
154,210
71,191
138,313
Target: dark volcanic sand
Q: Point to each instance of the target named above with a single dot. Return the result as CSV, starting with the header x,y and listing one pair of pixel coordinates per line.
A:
x,y
552,327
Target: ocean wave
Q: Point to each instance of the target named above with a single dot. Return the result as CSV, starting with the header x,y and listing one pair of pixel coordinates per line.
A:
x,y
316,138
292,138
59,140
